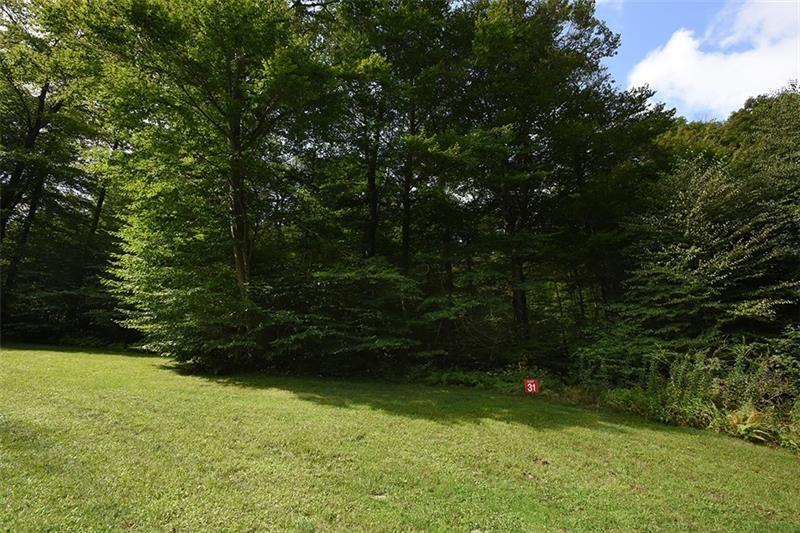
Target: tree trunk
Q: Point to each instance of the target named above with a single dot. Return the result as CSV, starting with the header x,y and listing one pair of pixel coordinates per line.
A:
x,y
561,318
10,197
519,298
514,215
12,192
447,258
581,303
408,183
406,223
88,254
19,253
237,188
372,194
239,228
79,303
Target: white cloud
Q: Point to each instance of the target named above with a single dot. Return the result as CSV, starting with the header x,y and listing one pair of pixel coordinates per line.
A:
x,y
751,48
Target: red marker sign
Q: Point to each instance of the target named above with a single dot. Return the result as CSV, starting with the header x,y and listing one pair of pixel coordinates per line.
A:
x,y
531,386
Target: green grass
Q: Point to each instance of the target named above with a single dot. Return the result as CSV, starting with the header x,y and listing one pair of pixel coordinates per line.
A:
x,y
93,441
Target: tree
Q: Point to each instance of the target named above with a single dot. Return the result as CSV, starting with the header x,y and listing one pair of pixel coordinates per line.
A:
x,y
537,84
231,84
717,253
48,127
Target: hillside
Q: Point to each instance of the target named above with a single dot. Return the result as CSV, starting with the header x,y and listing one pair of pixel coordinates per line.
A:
x,y
94,441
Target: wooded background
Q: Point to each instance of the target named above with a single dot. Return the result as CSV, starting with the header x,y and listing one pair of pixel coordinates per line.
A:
x,y
386,187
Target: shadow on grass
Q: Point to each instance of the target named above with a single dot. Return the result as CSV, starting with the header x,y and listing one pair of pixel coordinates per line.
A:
x,y
100,350
445,405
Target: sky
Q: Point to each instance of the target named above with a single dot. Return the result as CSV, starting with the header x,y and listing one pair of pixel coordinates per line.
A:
x,y
705,57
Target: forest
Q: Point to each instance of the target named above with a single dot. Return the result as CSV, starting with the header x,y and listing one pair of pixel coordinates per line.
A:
x,y
450,192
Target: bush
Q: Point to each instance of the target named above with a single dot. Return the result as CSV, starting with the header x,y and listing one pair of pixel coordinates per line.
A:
x,y
635,400
508,379
751,424
751,391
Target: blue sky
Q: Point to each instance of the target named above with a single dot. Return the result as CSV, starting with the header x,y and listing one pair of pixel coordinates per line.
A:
x,y
705,57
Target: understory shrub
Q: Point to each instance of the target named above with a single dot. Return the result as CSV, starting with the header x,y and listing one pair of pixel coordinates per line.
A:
x,y
508,379
748,390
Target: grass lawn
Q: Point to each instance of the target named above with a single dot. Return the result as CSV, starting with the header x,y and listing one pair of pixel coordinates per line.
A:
x,y
94,441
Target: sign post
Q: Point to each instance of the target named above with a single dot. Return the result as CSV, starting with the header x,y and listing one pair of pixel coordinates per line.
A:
x,y
531,386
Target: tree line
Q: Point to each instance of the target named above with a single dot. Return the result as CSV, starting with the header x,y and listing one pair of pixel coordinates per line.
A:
x,y
395,186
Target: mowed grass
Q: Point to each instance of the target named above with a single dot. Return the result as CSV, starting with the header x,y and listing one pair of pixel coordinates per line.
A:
x,y
93,441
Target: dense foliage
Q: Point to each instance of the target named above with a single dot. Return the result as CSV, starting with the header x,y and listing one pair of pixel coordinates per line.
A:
x,y
384,186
